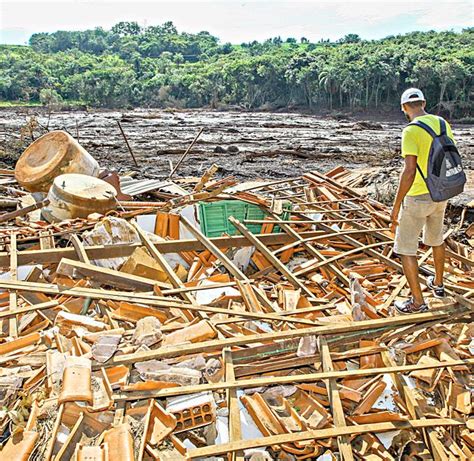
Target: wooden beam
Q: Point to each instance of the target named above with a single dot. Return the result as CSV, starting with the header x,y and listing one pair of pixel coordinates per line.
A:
x,y
46,240
80,250
145,298
51,442
211,286
66,451
271,258
310,177
256,365
401,284
235,429
272,183
389,261
33,308
371,327
343,441
464,301
185,153
54,255
4,217
173,277
319,434
326,236
305,221
227,263
414,409
106,276
209,245
282,380
393,263
321,210
319,264
332,267
463,259
13,297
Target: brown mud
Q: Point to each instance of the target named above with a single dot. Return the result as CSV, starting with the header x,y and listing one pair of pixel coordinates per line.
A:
x,y
245,145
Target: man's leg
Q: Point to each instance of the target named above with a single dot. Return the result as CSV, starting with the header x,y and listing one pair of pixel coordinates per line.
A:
x,y
439,256
410,269
433,237
411,222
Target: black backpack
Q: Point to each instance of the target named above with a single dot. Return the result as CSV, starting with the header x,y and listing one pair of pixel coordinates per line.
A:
x,y
445,175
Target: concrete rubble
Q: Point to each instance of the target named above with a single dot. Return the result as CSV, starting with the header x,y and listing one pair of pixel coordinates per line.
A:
x,y
207,319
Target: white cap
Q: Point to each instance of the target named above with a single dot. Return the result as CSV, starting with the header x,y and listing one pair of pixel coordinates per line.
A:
x,y
412,94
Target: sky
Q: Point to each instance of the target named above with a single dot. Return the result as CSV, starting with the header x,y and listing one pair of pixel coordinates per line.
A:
x,y
239,21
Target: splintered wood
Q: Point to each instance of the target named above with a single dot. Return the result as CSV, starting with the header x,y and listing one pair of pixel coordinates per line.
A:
x,y
135,336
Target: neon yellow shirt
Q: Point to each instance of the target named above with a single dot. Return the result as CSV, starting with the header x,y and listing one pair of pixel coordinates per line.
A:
x,y
416,141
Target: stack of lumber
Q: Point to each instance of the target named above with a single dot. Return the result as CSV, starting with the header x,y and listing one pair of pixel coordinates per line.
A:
x,y
120,344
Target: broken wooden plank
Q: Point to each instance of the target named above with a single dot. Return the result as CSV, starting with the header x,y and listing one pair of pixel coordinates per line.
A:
x,y
106,276
276,263
13,298
322,434
338,416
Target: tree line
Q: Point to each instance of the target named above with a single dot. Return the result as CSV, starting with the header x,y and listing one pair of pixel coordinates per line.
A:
x,y
158,66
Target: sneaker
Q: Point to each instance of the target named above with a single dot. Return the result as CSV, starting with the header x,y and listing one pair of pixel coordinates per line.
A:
x,y
409,307
438,291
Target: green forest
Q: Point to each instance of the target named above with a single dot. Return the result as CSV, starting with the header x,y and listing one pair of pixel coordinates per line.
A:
x,y
158,66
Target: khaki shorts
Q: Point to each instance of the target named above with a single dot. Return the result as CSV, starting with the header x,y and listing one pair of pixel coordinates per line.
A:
x,y
419,213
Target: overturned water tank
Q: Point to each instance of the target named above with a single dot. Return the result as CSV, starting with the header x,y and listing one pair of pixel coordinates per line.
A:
x,y
55,153
77,196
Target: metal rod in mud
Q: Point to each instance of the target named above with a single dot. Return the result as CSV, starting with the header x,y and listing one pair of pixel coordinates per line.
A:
x,y
126,142
186,152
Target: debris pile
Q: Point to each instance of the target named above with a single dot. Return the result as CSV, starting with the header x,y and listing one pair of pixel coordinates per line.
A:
x,y
206,319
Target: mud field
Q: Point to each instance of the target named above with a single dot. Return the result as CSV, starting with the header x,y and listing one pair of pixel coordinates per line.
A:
x,y
245,145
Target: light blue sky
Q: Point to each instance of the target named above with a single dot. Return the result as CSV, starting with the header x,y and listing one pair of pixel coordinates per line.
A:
x,y
239,21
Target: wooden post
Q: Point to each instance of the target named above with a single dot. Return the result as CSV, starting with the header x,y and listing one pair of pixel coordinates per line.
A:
x,y
126,142
186,152
338,417
235,429
13,297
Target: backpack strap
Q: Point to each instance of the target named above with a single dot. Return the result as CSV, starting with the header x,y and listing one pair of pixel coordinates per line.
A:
x,y
419,171
431,132
442,126
426,127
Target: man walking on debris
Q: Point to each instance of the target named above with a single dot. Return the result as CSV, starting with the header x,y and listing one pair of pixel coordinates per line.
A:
x,y
414,203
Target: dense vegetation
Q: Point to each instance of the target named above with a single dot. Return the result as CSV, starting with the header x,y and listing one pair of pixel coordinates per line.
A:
x,y
160,67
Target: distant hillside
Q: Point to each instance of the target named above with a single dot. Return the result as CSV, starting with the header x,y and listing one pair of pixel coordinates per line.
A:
x,y
161,67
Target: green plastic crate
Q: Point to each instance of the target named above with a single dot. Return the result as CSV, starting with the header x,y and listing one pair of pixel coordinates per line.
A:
x,y
214,217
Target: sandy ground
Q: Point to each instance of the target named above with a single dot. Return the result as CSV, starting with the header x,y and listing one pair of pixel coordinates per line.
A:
x,y
246,145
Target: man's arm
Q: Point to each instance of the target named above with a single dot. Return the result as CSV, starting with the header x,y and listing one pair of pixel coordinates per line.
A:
x,y
406,180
